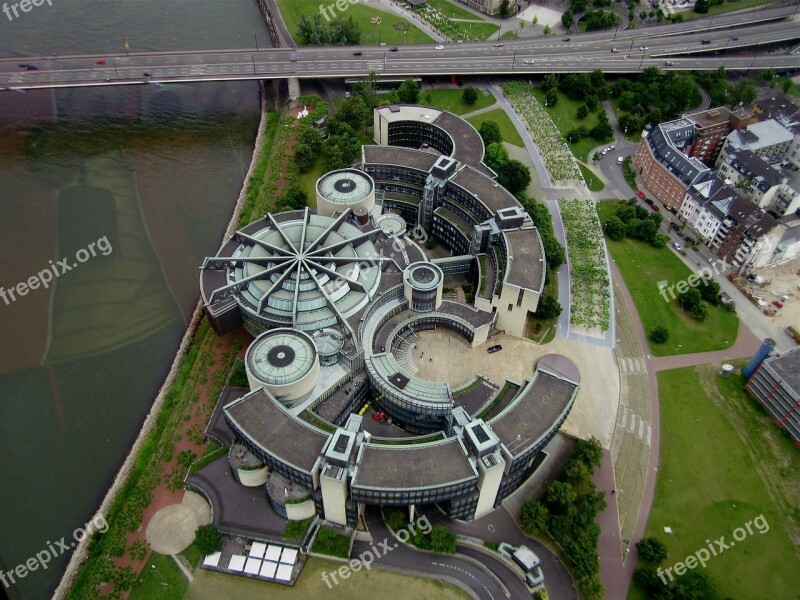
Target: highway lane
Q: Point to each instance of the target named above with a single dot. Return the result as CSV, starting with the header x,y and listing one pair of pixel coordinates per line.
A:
x,y
581,53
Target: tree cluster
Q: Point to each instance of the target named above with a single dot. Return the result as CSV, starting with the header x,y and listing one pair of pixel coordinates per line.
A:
x,y
568,509
339,31
634,221
599,19
511,173
540,215
694,585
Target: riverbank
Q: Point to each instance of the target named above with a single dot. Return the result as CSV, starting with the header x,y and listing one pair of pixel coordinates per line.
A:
x,y
144,441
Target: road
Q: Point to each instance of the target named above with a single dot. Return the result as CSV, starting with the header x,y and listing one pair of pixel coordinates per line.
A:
x,y
636,50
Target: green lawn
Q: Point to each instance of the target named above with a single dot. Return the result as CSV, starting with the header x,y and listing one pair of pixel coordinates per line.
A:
x,y
542,330
193,555
593,182
726,7
453,10
722,464
449,99
507,129
565,117
165,581
292,10
508,35
642,266
482,31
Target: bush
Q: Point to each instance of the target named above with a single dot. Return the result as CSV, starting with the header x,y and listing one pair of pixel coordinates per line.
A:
x,y
659,335
534,517
548,307
652,550
207,538
490,133
470,96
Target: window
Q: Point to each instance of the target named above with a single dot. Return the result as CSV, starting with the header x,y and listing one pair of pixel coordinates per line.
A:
x,y
510,307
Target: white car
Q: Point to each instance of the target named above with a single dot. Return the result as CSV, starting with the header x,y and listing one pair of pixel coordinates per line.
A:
x,y
712,262
643,48
440,47
677,246
614,50
528,61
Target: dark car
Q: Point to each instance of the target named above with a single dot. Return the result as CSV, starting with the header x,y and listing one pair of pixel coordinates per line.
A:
x,y
704,42
357,53
566,39
393,49
29,66
147,74
494,349
650,202
688,240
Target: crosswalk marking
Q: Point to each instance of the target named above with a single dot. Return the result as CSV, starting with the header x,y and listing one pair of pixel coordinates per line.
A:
x,y
632,366
634,424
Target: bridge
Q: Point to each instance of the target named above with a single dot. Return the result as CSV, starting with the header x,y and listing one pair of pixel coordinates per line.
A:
x,y
694,45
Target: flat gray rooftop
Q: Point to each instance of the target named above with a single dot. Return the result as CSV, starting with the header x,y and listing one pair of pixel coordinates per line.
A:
x,y
276,431
526,263
787,366
398,155
538,406
412,466
468,142
488,191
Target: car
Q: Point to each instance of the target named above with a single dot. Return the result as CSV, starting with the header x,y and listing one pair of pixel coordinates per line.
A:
x,y
440,47
498,45
528,61
357,53
494,349
677,246
704,42
669,63
712,262
650,202
777,303
31,67
614,50
147,74
654,207
604,152
643,48
674,227
735,38
640,193
689,240
620,160
566,39
100,61
393,49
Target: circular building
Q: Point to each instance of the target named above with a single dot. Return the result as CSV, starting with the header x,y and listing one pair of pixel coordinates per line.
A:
x,y
422,286
284,361
329,342
343,189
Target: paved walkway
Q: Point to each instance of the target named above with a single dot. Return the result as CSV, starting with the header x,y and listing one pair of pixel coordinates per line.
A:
x,y
171,530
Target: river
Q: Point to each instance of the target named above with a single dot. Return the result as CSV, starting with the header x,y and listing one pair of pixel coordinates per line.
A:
x,y
109,200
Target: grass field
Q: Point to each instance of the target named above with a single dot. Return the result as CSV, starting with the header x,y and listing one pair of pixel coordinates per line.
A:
x,y
564,115
361,585
165,581
593,182
642,266
507,129
450,100
453,11
723,463
292,10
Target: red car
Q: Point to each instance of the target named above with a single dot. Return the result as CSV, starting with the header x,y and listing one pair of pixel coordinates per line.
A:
x,y
778,303
641,194
100,61
654,207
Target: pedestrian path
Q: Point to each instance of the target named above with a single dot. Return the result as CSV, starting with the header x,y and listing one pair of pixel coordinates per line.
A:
x,y
634,424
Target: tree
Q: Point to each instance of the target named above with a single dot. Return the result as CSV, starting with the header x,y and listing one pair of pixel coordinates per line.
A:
x,y
659,335
652,550
701,6
567,18
470,95
560,497
207,539
709,291
505,11
408,92
354,111
743,92
514,176
553,250
534,517
615,228
304,157
293,198
551,98
550,82
583,111
490,132
603,129
591,587
496,156
548,307
577,473
589,452
547,30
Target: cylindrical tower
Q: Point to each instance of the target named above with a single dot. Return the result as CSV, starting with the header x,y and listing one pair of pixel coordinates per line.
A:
x,y
329,343
283,361
763,352
422,286
343,189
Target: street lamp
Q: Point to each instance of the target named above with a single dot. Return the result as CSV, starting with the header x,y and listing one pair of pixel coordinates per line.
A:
x,y
514,60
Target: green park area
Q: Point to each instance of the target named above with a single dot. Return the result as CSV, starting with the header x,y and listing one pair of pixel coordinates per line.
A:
x,y
643,267
564,115
450,99
389,31
360,585
508,132
724,464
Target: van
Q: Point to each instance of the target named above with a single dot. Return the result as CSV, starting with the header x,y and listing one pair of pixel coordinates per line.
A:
x,y
620,160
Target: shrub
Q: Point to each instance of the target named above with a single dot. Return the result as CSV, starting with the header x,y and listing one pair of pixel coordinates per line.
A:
x,y
652,550
659,335
207,538
470,96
